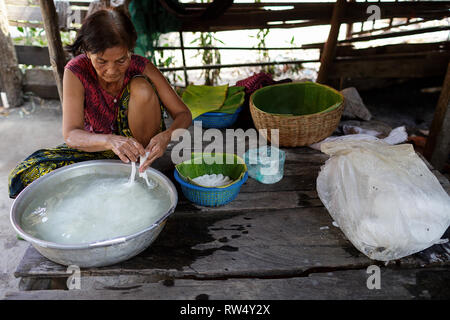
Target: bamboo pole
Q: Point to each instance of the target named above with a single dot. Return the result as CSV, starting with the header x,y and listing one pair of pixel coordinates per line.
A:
x,y
10,74
56,52
437,148
329,49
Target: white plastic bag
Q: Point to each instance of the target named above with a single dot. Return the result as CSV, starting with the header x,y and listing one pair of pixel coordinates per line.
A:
x,y
383,197
398,135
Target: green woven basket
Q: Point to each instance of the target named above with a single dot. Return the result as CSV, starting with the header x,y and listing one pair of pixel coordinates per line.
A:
x,y
303,112
200,164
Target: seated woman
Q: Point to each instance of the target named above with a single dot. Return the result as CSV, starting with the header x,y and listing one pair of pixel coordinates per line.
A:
x,y
112,103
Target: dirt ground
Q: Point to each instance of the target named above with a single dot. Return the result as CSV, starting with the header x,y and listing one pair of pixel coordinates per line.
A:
x,y
23,130
37,124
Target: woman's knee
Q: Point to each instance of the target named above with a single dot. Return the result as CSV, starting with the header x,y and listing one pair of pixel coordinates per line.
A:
x,y
144,114
142,90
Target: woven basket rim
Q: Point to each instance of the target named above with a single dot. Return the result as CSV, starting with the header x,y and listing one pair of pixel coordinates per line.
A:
x,y
329,109
236,184
200,154
305,116
219,114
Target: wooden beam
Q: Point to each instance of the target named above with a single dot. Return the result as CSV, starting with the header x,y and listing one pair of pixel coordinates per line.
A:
x,y
250,16
32,55
255,16
40,82
368,32
23,16
350,51
10,74
386,35
381,36
408,65
57,55
330,46
25,3
437,148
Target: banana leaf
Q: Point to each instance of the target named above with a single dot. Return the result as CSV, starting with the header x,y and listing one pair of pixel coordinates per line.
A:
x,y
296,99
201,99
206,163
235,99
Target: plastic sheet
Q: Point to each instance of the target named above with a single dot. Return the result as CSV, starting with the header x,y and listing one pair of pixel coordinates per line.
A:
x,y
383,197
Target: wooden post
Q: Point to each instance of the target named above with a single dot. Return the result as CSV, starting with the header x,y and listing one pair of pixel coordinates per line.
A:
x,y
391,20
10,74
349,33
56,51
329,49
186,81
374,20
437,147
362,23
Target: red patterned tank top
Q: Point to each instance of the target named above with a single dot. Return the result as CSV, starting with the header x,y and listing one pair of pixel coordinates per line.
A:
x,y
100,107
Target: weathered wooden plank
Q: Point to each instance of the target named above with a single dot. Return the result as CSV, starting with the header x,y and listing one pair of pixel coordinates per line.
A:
x,y
40,82
32,55
25,24
25,3
230,244
23,15
437,148
56,52
316,13
247,201
22,2
10,74
349,50
429,283
26,13
288,183
429,65
205,245
242,16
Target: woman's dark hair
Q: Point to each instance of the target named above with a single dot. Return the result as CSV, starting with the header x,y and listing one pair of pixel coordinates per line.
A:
x,y
102,30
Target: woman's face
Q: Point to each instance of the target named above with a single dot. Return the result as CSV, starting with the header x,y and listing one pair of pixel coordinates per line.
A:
x,y
111,64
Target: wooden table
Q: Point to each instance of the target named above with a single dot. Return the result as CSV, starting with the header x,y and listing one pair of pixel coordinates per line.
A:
x,y
272,242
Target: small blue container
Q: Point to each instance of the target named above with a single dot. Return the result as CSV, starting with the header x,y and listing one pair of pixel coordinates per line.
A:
x,y
210,197
265,164
218,119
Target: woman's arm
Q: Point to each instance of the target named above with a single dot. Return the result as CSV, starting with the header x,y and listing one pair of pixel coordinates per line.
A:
x,y
181,115
73,125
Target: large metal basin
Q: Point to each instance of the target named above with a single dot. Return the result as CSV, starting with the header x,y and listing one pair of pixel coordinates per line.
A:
x,y
95,254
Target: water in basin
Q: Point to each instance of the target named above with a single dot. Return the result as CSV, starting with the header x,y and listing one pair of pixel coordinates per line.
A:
x,y
94,208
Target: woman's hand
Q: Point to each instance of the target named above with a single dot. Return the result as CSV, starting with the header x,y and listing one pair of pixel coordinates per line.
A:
x,y
127,149
156,148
